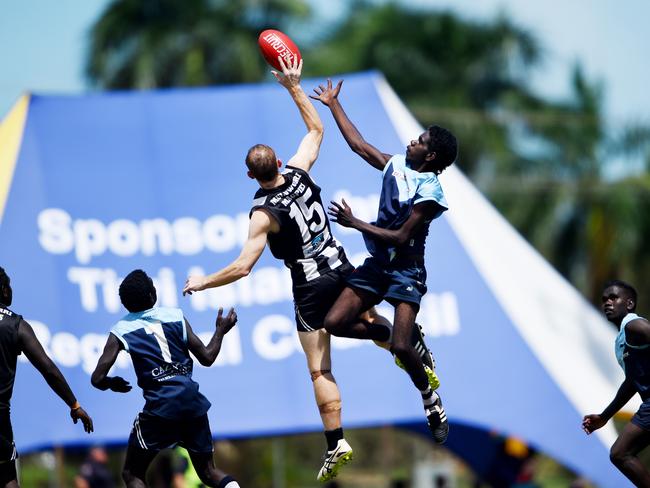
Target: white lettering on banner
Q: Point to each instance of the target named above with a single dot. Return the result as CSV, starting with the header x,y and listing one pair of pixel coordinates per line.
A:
x,y
273,337
439,314
263,286
90,238
157,235
55,235
220,233
187,236
364,208
231,351
70,351
90,280
59,233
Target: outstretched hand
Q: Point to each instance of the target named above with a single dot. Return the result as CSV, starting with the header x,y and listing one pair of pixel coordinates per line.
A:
x,y
341,213
592,422
119,385
327,95
290,72
228,322
192,284
80,414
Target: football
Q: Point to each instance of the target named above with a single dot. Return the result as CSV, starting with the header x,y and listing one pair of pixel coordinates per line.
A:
x,y
274,43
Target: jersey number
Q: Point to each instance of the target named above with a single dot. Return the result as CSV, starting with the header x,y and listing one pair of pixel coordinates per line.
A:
x,y
159,335
302,214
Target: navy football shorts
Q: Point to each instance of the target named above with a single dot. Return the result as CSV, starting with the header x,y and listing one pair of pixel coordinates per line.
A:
x,y
151,432
314,299
642,416
395,282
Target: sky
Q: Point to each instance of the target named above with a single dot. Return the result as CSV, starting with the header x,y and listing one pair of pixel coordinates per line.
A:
x,y
43,42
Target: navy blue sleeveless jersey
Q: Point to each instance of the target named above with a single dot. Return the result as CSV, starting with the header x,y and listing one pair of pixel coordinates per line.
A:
x,y
402,188
156,339
635,360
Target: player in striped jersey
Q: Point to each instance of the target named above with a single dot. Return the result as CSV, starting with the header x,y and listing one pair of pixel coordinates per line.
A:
x,y
288,213
159,341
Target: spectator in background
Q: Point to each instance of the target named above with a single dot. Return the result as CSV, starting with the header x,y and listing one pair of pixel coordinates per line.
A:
x,y
94,472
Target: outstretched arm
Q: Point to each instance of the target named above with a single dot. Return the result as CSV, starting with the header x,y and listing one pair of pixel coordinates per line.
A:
x,y
422,213
260,225
329,97
307,152
100,378
594,422
206,355
36,355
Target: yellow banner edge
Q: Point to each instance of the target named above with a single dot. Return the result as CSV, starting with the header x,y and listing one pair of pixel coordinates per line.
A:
x,y
11,135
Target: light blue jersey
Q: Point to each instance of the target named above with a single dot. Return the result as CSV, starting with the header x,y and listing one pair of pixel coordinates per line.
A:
x,y
402,189
156,339
635,360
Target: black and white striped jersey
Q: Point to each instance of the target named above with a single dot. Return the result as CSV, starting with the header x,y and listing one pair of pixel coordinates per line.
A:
x,y
305,242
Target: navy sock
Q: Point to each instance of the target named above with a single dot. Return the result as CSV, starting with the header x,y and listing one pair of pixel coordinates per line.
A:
x,y
333,437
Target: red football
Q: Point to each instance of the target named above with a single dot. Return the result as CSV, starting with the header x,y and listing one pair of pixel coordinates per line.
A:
x,y
274,43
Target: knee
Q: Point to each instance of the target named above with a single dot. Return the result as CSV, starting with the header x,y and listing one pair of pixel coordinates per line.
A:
x,y
618,456
128,476
331,323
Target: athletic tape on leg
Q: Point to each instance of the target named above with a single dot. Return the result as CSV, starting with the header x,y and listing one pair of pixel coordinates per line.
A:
x,y
317,374
330,407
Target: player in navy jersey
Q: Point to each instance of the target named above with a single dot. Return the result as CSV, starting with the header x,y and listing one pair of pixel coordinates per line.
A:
x,y
288,213
159,341
16,337
411,197
632,349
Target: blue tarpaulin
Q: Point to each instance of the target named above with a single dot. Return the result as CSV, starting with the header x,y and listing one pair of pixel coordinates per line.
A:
x,y
102,184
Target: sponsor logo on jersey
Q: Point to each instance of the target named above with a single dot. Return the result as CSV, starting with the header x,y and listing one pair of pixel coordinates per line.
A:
x,y
169,370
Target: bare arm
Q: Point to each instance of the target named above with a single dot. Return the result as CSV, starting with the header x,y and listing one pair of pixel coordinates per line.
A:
x,y
594,422
34,352
309,147
100,378
422,212
206,355
637,332
329,97
261,224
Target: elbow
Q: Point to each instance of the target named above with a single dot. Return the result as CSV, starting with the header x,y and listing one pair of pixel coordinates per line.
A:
x,y
205,361
357,148
97,380
242,271
401,239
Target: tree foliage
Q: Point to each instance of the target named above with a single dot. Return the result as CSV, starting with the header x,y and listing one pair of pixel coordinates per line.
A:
x,y
546,164
163,43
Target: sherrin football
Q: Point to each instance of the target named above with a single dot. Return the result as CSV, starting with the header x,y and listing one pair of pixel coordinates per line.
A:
x,y
274,43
